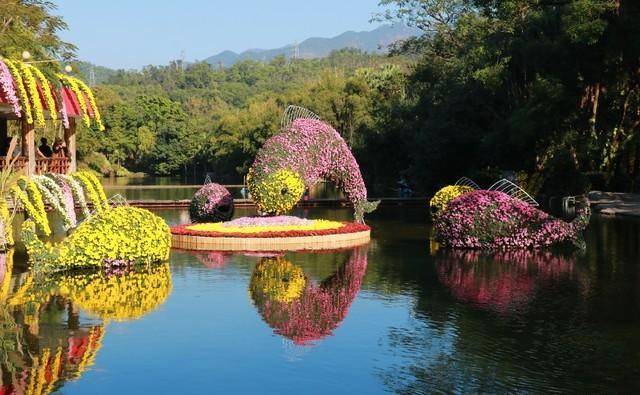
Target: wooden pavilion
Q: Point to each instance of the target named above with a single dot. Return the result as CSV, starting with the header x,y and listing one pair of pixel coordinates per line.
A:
x,y
28,159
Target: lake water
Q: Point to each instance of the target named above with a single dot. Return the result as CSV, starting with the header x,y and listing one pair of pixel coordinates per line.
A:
x,y
398,315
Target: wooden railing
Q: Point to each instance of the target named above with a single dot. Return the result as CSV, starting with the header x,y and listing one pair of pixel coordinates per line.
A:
x,y
43,165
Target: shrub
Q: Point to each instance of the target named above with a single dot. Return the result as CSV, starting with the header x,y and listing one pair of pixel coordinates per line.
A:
x,y
124,233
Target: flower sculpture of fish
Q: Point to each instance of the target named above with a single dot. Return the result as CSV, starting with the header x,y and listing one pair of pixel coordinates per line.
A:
x,y
114,237
303,154
495,220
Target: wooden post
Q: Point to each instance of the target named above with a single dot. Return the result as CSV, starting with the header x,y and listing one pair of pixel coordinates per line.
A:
x,y
29,147
70,142
4,136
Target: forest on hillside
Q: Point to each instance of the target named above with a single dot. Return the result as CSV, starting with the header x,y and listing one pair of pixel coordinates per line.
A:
x,y
546,90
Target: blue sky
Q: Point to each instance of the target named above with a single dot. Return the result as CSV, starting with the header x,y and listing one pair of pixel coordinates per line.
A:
x,y
133,33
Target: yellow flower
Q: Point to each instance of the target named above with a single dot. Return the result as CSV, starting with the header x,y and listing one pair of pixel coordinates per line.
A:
x,y
440,200
316,224
277,192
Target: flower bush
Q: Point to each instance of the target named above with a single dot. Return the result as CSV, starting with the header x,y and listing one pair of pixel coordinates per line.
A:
x,y
440,200
211,203
9,92
313,312
277,192
306,153
123,233
491,219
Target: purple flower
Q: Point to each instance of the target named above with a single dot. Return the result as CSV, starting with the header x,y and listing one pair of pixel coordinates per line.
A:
x,y
8,90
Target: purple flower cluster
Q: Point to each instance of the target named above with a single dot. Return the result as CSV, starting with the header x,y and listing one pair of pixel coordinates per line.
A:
x,y
315,151
495,220
280,220
8,90
211,203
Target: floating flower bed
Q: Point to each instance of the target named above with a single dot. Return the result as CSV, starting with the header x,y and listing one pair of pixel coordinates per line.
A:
x,y
270,234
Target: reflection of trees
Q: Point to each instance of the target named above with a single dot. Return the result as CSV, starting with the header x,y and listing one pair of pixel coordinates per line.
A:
x,y
41,349
301,309
500,281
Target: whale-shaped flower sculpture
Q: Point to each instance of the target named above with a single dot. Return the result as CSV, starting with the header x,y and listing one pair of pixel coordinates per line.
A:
x,y
494,220
122,235
303,154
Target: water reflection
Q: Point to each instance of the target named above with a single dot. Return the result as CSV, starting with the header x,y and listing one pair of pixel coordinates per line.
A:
x,y
211,259
300,309
117,294
41,347
45,340
503,281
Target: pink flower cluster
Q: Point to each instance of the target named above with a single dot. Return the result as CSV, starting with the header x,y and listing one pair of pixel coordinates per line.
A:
x,y
494,220
322,307
211,203
280,220
315,151
8,90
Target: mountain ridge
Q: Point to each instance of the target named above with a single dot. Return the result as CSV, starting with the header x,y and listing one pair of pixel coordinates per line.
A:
x,y
376,40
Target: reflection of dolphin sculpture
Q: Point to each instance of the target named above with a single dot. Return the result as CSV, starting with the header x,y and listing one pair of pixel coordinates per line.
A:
x,y
501,281
312,312
305,153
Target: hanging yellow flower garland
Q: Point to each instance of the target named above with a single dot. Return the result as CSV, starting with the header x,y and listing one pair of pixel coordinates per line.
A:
x,y
22,91
34,95
46,91
38,216
79,88
92,102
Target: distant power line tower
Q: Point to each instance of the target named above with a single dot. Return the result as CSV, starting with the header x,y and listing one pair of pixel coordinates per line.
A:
x,y
182,56
295,50
221,65
92,76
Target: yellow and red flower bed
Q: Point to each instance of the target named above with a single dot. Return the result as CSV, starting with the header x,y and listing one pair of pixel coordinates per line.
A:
x,y
267,227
